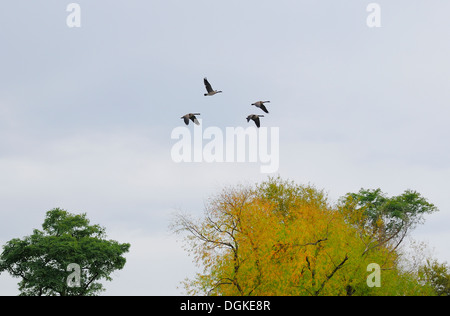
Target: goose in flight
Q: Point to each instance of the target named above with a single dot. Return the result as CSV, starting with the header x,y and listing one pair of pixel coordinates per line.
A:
x,y
191,116
210,90
255,118
260,104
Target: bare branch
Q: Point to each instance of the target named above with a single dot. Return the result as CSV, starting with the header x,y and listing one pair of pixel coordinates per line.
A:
x,y
331,275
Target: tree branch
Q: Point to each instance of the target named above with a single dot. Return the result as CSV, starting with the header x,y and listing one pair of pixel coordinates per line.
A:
x,y
331,275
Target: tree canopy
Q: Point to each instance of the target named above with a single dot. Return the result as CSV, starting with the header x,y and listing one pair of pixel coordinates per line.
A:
x,y
280,238
42,259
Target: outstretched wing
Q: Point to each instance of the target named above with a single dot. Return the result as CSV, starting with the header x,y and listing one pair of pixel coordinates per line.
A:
x,y
194,119
186,119
257,122
208,85
263,107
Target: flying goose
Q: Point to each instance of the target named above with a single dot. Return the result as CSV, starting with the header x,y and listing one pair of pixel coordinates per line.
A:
x,y
260,104
255,118
191,116
209,88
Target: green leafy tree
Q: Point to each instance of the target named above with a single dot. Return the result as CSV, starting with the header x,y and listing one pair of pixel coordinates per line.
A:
x,y
437,275
42,259
389,219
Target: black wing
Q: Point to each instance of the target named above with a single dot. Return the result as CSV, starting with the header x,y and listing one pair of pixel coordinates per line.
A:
x,y
257,122
186,119
263,107
194,119
208,85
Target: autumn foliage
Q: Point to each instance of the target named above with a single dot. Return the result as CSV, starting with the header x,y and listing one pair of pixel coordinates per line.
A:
x,y
279,238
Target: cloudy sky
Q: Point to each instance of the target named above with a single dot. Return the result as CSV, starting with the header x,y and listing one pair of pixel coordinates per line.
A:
x,y
86,114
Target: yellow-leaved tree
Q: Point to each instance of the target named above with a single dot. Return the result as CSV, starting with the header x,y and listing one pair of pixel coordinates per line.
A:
x,y
279,238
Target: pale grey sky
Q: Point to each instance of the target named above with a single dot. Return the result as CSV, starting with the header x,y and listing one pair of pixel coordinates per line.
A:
x,y
86,113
